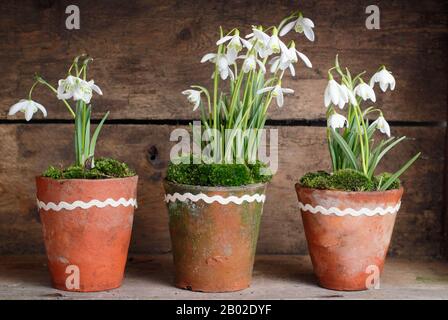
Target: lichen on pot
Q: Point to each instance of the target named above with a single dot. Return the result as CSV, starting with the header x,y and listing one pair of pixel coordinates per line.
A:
x,y
215,196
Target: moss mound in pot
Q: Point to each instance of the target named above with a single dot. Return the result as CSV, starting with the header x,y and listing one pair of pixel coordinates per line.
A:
x,y
104,168
214,175
345,180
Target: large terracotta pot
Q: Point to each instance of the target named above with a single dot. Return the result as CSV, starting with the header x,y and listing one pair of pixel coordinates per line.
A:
x,y
348,234
87,228
214,232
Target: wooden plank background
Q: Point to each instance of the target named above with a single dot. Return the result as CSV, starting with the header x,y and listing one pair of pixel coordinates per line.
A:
x,y
147,52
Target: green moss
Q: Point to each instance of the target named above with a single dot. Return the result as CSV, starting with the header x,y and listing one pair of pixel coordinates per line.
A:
x,y
104,168
315,180
345,180
217,174
350,180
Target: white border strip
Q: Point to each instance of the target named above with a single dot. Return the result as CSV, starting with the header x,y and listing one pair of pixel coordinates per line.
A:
x,y
86,205
349,211
217,198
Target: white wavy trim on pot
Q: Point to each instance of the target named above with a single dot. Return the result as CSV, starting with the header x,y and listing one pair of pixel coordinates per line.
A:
x,y
86,205
217,198
349,211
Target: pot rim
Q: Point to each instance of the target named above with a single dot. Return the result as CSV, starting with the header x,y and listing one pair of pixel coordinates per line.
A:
x,y
342,192
40,177
217,188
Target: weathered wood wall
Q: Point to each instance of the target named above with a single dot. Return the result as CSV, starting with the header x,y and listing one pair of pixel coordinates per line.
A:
x,y
147,52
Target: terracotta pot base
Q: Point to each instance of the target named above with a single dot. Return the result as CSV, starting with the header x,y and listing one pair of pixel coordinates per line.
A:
x,y
348,234
213,243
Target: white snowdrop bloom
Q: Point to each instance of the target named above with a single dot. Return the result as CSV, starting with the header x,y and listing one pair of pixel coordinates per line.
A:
x,y
336,121
77,88
224,61
301,25
261,41
382,125
235,42
250,63
336,94
28,107
194,97
277,93
365,91
384,78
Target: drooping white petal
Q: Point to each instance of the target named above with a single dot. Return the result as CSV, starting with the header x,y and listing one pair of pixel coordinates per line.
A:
x,y
292,70
305,59
223,39
261,65
274,64
309,33
263,90
41,108
307,22
288,27
287,90
29,113
95,87
208,56
19,106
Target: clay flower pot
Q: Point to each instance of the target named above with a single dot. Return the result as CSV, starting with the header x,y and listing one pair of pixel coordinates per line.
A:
x,y
348,234
214,232
87,228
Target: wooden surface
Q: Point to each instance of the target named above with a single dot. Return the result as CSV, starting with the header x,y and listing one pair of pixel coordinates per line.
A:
x,y
147,52
274,277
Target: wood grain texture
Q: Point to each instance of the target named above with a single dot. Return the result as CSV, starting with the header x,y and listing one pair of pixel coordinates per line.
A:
x,y
147,52
28,149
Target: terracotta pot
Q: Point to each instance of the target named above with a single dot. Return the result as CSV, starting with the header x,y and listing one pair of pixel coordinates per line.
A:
x,y
348,243
213,243
87,228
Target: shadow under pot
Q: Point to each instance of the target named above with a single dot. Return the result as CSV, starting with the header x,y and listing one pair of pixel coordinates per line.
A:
x,y
87,228
214,232
348,234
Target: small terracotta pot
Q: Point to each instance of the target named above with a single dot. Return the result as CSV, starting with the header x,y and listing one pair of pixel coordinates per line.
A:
x,y
87,228
347,246
214,244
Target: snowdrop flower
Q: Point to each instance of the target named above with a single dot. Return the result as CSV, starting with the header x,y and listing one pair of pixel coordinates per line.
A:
x,y
288,58
382,125
235,42
250,63
277,92
365,91
385,78
261,41
336,121
28,107
194,97
274,42
223,61
300,25
336,94
77,88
